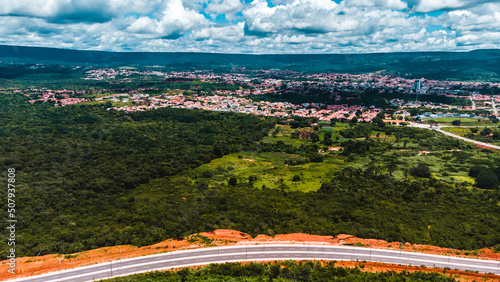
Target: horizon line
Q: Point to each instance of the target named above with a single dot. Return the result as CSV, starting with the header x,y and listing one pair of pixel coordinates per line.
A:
x,y
249,54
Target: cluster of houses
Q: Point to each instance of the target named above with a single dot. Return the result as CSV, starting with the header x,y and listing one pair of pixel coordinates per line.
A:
x,y
60,97
244,105
270,81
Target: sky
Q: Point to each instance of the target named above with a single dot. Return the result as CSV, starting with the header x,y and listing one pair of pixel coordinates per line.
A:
x,y
253,26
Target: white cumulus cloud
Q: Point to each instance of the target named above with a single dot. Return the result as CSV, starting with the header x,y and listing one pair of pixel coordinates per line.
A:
x,y
173,22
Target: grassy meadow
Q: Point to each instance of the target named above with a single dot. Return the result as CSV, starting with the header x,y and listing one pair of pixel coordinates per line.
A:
x,y
270,170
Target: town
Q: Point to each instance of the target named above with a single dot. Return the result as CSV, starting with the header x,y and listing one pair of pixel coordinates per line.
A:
x,y
259,83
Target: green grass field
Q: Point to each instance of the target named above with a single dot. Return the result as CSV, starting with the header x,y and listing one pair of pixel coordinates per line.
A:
x,y
451,119
457,130
271,171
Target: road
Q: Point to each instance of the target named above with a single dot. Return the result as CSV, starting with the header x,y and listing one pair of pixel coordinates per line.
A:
x,y
438,129
261,252
473,103
494,106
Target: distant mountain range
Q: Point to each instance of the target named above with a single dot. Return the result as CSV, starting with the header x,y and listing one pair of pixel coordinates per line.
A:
x,y
481,65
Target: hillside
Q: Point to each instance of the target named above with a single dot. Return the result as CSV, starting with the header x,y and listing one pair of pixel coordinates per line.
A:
x,y
475,65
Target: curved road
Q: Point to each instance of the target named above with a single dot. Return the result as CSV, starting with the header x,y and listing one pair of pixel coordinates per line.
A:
x,y
259,253
438,129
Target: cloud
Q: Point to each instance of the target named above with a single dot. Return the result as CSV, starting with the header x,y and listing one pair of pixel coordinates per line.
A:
x,y
59,10
226,7
260,26
232,33
425,6
387,4
475,20
174,21
323,16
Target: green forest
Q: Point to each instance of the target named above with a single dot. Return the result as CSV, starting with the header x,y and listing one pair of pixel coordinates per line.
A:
x,y
77,165
282,272
88,177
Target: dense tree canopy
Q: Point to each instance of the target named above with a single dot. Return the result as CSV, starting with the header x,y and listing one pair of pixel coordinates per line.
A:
x,y
77,165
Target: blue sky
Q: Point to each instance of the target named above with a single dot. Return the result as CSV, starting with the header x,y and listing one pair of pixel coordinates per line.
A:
x,y
257,26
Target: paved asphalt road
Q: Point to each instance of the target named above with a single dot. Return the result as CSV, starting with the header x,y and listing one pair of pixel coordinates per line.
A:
x,y
468,140
260,253
438,129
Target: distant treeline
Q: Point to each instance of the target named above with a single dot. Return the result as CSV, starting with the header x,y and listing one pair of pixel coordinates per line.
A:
x,y
474,65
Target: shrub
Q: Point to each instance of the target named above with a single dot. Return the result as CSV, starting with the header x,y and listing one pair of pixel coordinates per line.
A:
x,y
328,142
475,170
232,181
207,174
487,179
296,177
420,170
486,132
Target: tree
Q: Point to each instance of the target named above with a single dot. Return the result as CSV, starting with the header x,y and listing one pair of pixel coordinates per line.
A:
x,y
296,177
420,170
433,122
456,122
207,174
314,137
486,132
475,170
232,181
328,142
486,179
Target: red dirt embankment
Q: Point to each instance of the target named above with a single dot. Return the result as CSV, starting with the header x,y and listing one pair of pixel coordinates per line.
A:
x,y
27,266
